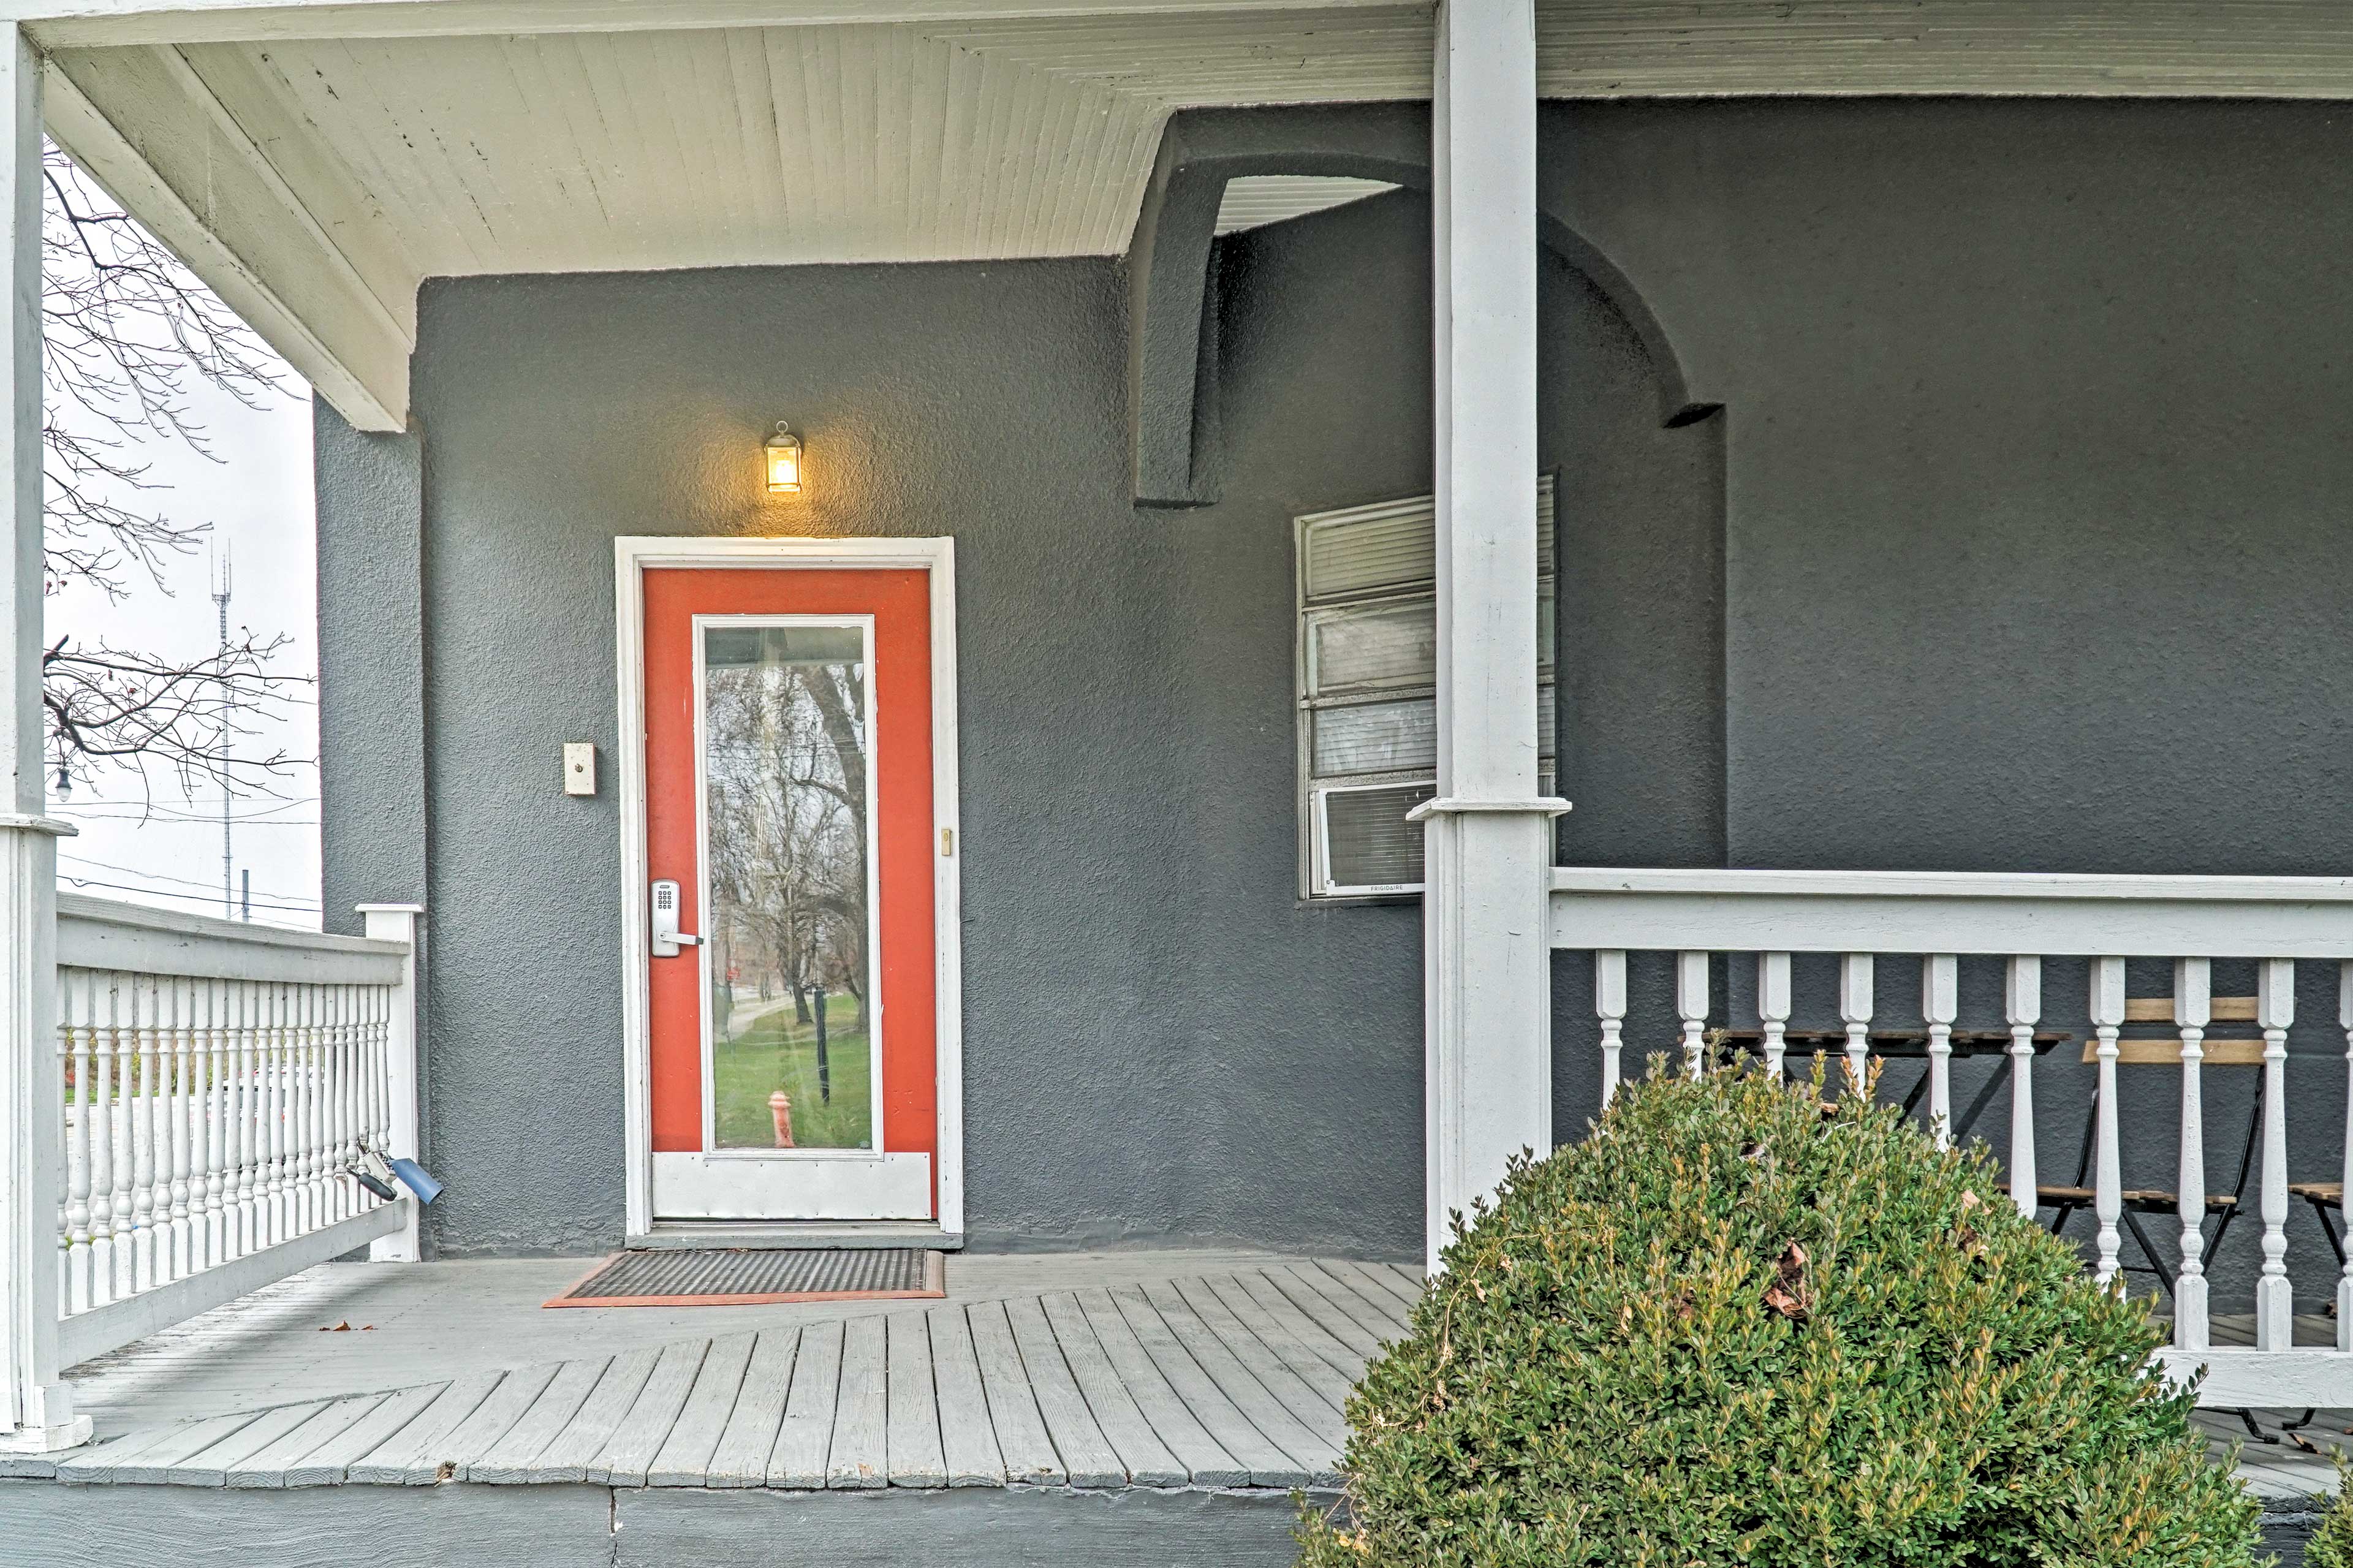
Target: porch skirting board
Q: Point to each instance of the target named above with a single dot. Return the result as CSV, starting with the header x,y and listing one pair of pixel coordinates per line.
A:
x,y
461,1526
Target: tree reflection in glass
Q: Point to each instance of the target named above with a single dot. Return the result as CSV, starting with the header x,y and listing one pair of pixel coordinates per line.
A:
x,y
785,765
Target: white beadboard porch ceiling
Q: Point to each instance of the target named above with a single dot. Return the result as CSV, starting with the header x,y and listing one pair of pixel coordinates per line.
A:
x,y
622,150
315,162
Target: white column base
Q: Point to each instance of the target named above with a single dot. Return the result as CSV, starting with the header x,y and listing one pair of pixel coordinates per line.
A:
x,y
1487,957
71,1433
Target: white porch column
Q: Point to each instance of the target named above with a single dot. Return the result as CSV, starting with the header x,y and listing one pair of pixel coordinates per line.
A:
x,y
403,1082
1487,843
36,1404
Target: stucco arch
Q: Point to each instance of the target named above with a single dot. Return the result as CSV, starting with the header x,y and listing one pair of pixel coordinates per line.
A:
x,y
1172,311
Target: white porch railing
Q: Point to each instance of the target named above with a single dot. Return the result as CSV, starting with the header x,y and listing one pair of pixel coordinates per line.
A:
x,y
218,1082
1713,921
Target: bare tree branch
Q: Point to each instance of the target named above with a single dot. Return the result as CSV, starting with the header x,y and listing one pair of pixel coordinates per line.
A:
x,y
128,332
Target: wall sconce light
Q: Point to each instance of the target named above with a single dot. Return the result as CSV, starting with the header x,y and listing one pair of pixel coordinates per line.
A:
x,y
783,452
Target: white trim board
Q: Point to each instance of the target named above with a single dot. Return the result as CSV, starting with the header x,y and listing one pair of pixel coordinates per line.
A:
x,y
1952,912
633,555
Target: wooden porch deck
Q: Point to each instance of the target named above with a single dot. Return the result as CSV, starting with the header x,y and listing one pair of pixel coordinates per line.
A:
x,y
1229,1380
1204,1388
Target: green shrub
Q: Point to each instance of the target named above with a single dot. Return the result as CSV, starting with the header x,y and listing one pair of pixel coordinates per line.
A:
x,y
1739,1325
2331,1545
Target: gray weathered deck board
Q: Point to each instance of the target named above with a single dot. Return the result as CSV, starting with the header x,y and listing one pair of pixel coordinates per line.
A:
x,y
1378,1317
210,1467
968,1448
1380,1277
1149,1461
1206,1461
1317,1413
912,1426
507,1461
1308,1331
479,1433
327,1464
684,1458
154,1461
1269,1465
1226,1307
388,1464
1311,1445
1087,1455
582,1439
101,1461
802,1442
861,1453
267,1465
741,1456
1019,1427
641,1433
1335,1322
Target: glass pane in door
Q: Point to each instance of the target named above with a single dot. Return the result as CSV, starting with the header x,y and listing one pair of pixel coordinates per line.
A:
x,y
785,730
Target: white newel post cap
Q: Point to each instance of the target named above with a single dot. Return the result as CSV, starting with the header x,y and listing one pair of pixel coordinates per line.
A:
x,y
1449,805
22,822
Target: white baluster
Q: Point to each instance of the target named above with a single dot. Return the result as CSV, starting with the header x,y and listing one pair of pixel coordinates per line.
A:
x,y
73,999
124,1046
2193,1011
2274,1298
151,1217
338,1088
304,1036
2022,1006
353,1090
1609,1005
1854,1012
179,1074
2107,1010
1940,1004
212,1116
1773,1006
1691,1005
245,1119
2345,1193
279,1224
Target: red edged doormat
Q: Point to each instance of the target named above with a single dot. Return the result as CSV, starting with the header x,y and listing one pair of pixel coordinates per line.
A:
x,y
752,1276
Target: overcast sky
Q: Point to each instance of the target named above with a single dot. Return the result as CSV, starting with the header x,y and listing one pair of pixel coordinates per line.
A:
x,y
258,498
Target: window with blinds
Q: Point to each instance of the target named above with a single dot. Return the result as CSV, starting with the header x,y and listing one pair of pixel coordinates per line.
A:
x,y
1368,682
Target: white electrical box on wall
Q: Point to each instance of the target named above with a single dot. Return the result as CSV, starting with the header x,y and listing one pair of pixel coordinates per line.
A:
x,y
579,767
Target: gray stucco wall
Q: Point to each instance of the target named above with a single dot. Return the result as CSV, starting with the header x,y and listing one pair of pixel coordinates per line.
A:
x,y
2012,549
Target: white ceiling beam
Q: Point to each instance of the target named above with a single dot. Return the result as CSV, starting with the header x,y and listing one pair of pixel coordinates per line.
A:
x,y
144,126
61,22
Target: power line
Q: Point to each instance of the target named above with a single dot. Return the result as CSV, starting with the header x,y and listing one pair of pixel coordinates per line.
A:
x,y
206,897
153,876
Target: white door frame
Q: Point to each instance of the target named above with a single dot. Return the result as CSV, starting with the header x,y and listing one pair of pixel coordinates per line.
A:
x,y
633,557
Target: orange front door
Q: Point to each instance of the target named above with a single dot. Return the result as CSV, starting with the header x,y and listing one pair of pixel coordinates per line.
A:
x,y
789,799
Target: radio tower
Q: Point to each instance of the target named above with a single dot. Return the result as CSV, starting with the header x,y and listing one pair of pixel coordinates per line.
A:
x,y
229,859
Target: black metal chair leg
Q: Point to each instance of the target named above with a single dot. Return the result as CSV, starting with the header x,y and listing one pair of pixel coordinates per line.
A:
x,y
2001,1074
2300,1422
2149,1251
2247,1419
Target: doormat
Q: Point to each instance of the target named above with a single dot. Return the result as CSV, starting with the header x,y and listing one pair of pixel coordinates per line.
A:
x,y
751,1277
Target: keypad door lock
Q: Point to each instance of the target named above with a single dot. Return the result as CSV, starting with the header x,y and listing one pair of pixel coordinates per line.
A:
x,y
667,938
